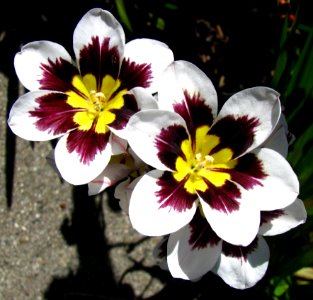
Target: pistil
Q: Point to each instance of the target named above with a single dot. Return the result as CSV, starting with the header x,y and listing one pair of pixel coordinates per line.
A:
x,y
98,100
203,161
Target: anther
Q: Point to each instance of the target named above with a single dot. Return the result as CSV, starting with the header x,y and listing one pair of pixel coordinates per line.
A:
x,y
203,162
98,99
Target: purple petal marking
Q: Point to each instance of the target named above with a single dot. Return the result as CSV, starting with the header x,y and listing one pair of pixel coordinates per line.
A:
x,y
58,76
251,165
195,112
135,75
235,133
268,216
98,59
123,114
239,251
87,144
248,172
202,234
54,114
173,193
222,198
168,142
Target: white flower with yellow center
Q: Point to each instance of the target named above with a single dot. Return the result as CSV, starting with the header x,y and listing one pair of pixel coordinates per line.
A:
x,y
87,101
202,158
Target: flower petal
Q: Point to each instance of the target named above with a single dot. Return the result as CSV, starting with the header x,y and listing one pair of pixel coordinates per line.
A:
x,y
243,272
41,116
187,262
238,227
123,192
278,140
259,107
71,167
118,145
135,100
150,52
111,174
280,187
146,213
287,218
144,130
144,99
99,41
181,78
38,61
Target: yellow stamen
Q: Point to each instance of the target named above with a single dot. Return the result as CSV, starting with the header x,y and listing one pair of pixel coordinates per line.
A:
x,y
198,167
203,162
95,105
98,100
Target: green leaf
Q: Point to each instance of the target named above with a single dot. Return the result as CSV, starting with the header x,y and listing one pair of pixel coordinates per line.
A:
x,y
299,146
304,259
121,10
281,288
301,158
282,59
302,74
160,24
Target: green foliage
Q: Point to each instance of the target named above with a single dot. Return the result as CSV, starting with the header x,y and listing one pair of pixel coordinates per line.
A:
x,y
120,6
294,79
281,287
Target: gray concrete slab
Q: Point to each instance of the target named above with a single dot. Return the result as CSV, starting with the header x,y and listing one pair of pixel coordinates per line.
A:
x,y
56,242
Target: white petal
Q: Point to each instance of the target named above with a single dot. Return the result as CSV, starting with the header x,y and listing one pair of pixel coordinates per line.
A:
x,y
148,51
280,188
294,215
261,103
183,76
118,144
120,193
143,128
144,101
28,61
187,263
22,123
112,174
138,163
73,170
123,192
98,23
243,273
145,213
278,140
239,227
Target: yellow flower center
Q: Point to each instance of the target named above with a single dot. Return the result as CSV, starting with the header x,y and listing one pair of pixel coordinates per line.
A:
x,y
202,162
98,99
94,107
198,168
